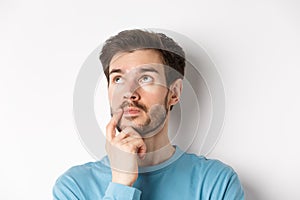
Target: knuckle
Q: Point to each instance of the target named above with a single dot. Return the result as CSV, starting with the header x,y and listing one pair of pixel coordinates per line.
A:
x,y
130,147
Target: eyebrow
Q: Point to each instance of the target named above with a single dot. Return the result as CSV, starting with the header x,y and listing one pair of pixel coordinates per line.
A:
x,y
140,70
115,71
148,69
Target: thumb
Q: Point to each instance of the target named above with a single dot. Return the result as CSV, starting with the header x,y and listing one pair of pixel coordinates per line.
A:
x,y
142,151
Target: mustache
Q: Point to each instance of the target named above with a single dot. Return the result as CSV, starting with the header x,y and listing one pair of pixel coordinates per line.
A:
x,y
133,104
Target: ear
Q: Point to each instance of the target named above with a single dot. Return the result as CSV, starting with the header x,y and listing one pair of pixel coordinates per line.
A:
x,y
175,92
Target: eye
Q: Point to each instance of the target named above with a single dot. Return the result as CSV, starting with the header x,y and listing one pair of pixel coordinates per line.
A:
x,y
146,79
118,80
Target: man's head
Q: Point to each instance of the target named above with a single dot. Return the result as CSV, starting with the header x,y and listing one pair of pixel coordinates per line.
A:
x,y
144,72
130,40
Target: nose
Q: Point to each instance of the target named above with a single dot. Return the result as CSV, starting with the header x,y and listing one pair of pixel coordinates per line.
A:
x,y
133,96
131,92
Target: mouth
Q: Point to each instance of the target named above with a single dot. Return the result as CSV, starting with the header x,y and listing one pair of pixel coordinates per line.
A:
x,y
130,112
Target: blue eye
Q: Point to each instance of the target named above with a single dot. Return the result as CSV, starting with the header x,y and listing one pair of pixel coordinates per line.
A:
x,y
118,79
146,79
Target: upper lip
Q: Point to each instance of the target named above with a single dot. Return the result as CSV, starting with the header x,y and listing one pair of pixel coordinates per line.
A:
x,y
130,109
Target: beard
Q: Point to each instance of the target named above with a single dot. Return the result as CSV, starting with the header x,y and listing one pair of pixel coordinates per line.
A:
x,y
155,118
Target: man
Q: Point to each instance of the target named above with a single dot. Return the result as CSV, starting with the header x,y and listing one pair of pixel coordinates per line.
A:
x,y
144,71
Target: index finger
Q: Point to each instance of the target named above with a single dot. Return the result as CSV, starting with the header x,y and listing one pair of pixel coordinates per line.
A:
x,y
111,126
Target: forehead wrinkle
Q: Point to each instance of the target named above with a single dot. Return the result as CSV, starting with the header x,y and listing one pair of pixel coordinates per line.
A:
x,y
119,55
138,69
146,68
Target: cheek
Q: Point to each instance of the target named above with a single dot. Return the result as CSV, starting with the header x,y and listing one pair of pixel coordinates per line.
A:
x,y
115,98
156,90
152,96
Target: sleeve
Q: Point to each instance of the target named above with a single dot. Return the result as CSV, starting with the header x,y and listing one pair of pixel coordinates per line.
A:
x,y
66,189
117,191
234,189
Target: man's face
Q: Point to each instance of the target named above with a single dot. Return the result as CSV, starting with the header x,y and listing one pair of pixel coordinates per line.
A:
x,y
137,85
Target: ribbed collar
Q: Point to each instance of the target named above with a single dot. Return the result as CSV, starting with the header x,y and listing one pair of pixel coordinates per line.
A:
x,y
153,168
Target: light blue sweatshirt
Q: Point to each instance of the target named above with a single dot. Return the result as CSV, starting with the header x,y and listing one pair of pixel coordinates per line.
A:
x,y
182,177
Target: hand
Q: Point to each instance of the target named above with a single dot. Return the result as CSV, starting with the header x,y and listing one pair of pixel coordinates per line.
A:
x,y
122,151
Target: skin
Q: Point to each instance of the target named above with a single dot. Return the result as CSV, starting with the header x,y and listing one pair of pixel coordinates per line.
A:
x,y
136,92
140,103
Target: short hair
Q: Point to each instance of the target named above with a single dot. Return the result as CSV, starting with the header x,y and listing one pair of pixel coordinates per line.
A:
x,y
130,40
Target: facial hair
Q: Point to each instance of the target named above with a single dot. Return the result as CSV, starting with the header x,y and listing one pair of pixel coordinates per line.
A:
x,y
156,118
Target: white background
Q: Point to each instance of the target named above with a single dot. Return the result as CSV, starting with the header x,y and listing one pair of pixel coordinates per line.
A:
x,y
254,44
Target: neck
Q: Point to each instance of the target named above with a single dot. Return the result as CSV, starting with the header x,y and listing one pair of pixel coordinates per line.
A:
x,y
159,148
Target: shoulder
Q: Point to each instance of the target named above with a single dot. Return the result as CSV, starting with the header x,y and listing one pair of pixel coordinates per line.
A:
x,y
77,180
207,167
214,176
83,171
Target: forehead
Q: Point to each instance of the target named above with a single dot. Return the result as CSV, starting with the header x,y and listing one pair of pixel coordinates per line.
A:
x,y
127,61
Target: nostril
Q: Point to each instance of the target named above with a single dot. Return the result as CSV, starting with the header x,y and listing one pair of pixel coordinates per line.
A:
x,y
134,97
130,96
127,95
